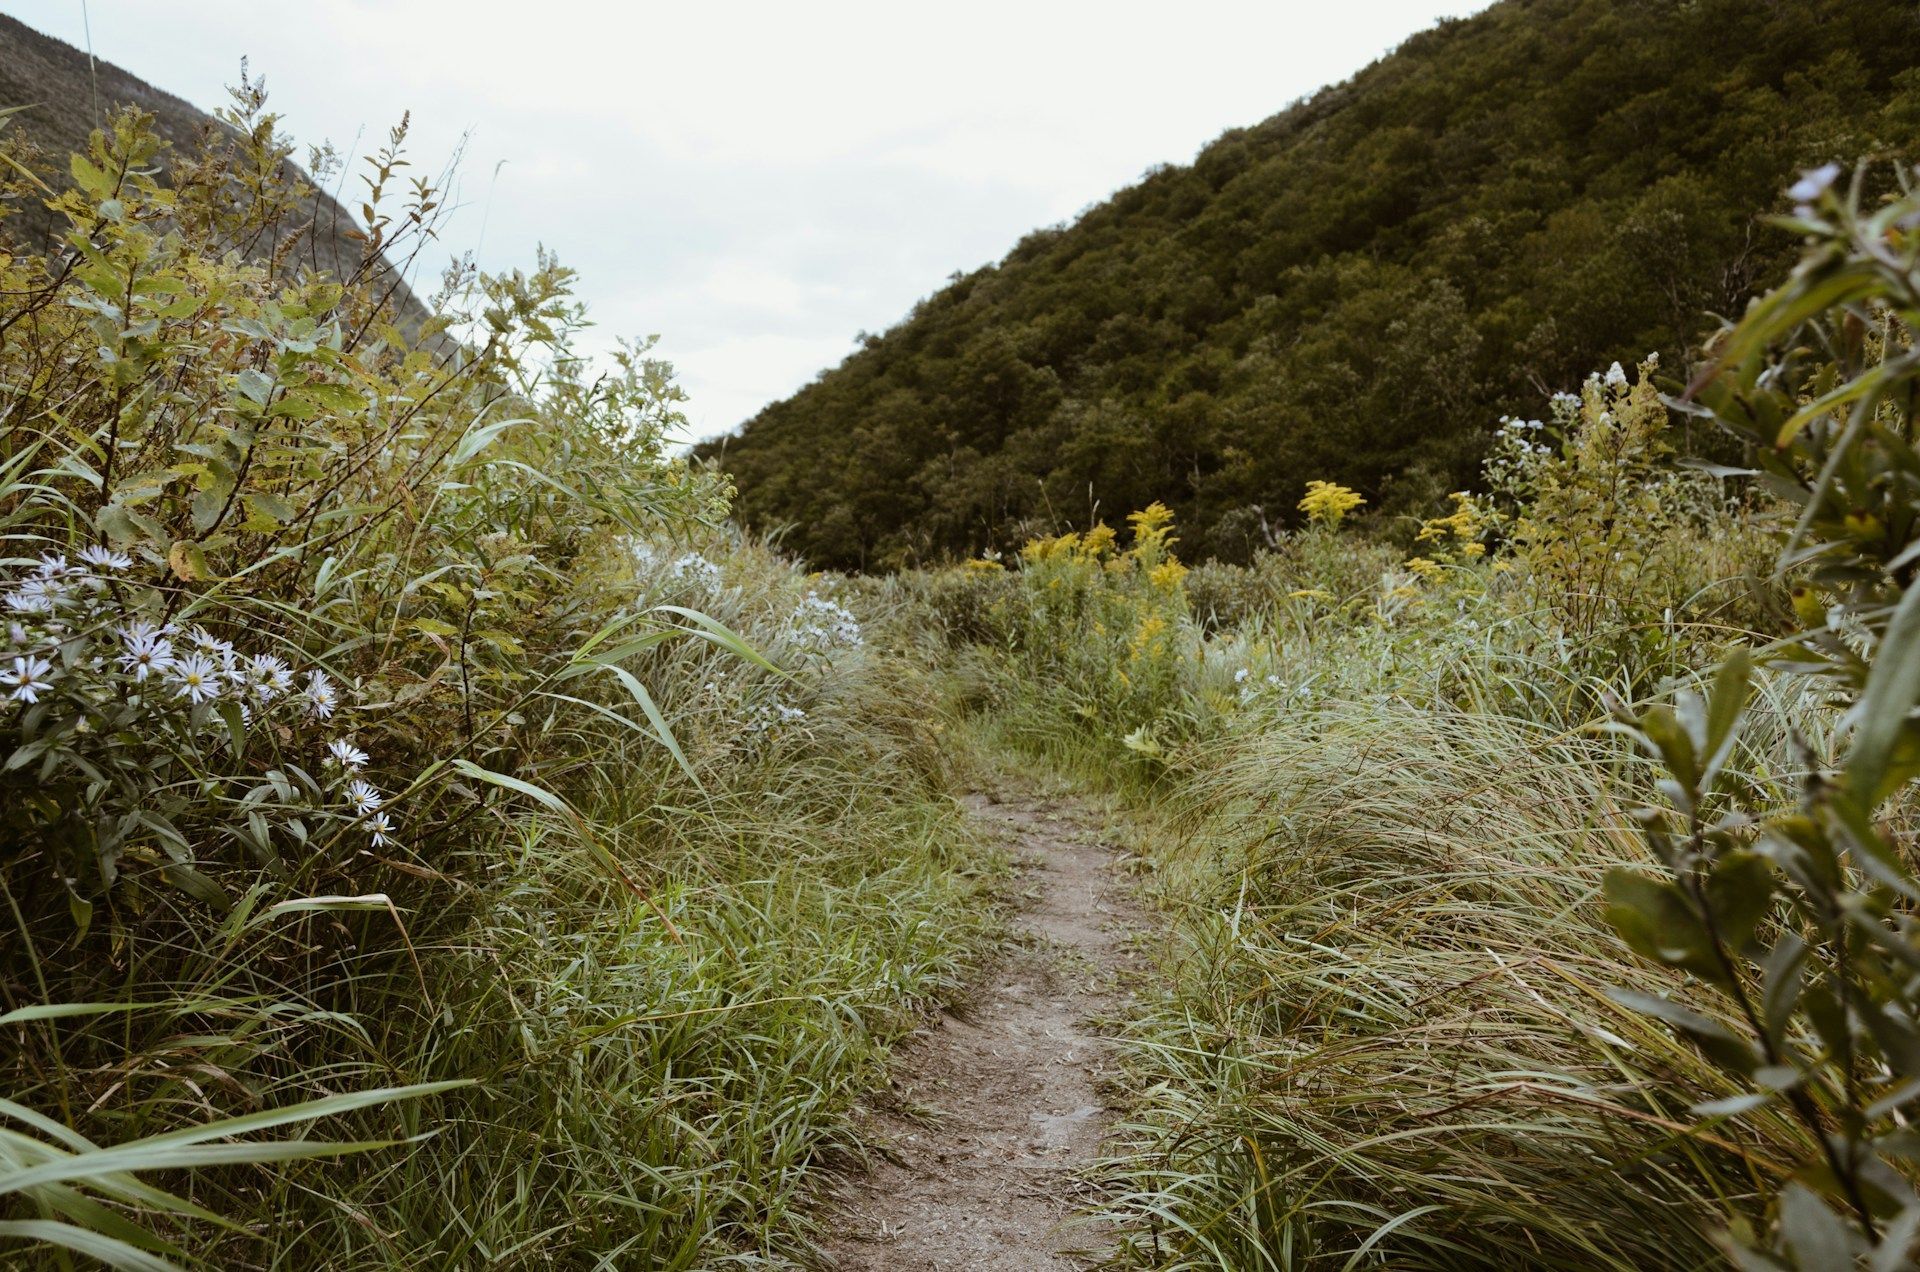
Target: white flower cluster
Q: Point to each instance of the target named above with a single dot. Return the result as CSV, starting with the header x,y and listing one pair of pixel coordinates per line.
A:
x,y
77,644
818,625
1516,434
1269,687
688,568
772,716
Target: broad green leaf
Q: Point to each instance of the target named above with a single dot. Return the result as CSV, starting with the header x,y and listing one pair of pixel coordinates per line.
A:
x,y
111,1251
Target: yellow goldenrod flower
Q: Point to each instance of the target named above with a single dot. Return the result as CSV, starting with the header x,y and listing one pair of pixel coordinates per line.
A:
x,y
1097,542
1326,503
1151,523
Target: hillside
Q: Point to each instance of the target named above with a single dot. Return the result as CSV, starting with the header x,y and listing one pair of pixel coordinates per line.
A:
x,y
1355,289
53,81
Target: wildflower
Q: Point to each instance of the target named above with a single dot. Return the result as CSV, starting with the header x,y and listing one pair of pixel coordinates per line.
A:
x,y
821,624
53,566
1616,377
209,644
33,596
768,716
1813,183
1098,541
695,568
104,558
27,678
346,755
196,678
1326,503
144,650
381,827
269,676
366,800
1425,567
1240,676
322,698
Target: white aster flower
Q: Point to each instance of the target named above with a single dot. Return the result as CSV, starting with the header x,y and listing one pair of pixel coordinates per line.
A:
x,y
381,828
144,650
269,676
366,800
105,558
196,678
346,754
33,596
210,645
54,566
322,698
27,678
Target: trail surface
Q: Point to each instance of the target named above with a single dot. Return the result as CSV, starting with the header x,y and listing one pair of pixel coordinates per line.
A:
x,y
999,1103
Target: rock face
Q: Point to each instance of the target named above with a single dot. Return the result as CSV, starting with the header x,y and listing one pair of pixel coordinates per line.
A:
x,y
67,95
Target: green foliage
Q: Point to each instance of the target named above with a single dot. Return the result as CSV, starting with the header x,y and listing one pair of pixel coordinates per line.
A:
x,y
1801,919
1436,1000
1352,290
389,735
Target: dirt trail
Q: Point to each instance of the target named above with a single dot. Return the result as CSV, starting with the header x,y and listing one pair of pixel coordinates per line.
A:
x,y
998,1104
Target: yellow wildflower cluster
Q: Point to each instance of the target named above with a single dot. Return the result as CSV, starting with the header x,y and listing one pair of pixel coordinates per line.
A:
x,y
1327,503
1464,524
1071,546
1149,639
1167,574
1152,528
1454,537
1062,547
983,565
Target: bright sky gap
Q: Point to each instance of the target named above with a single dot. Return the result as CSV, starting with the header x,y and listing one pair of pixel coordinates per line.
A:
x,y
756,183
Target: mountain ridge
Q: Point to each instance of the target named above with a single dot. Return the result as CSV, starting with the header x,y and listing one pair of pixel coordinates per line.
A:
x,y
1356,288
59,86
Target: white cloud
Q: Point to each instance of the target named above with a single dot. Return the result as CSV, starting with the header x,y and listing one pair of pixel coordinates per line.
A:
x,y
757,182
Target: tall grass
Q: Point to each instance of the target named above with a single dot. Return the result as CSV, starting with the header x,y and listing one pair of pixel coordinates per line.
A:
x,y
1391,1037
1372,793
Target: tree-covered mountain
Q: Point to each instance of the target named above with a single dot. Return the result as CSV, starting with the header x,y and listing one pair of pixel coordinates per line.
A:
x,y
1355,289
61,94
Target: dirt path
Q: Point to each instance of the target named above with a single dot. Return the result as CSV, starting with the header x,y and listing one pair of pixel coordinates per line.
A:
x,y
999,1103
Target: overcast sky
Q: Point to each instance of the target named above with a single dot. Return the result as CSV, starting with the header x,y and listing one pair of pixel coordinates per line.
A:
x,y
756,183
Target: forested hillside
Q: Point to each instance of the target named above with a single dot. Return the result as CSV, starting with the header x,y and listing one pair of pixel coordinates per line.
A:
x,y
60,94
1356,289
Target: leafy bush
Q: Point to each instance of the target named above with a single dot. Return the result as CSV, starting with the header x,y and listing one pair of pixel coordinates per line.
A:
x,y
1801,919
